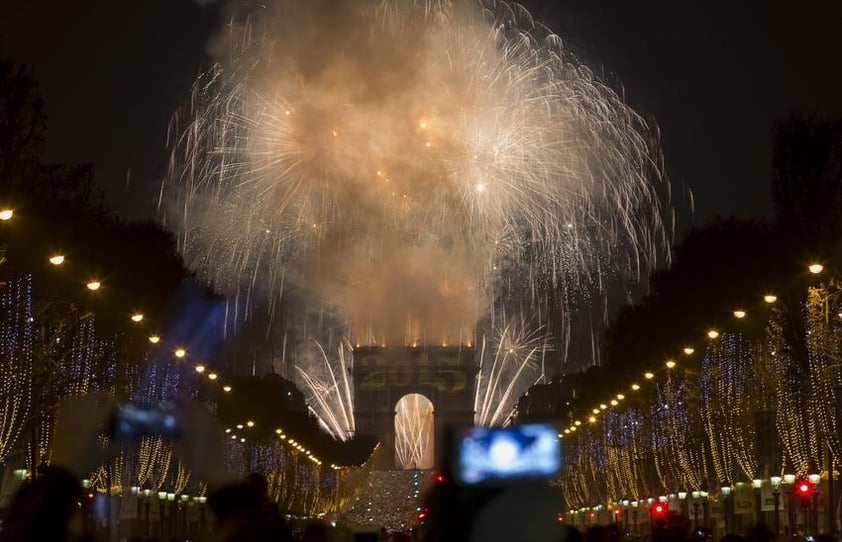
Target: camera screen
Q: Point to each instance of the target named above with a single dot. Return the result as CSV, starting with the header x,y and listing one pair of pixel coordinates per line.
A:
x,y
134,421
499,455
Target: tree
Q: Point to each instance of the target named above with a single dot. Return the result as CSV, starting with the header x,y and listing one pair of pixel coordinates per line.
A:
x,y
59,210
806,182
22,127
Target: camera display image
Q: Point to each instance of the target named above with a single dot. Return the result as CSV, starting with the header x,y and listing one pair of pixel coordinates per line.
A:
x,y
487,456
132,421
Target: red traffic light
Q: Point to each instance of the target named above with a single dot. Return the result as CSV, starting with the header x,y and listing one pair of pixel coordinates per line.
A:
x,y
803,487
658,509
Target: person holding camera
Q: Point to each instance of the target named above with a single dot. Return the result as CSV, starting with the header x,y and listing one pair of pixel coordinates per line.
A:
x,y
48,508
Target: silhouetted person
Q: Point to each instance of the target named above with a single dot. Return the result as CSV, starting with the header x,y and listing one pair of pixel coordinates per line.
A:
x,y
670,527
272,519
598,533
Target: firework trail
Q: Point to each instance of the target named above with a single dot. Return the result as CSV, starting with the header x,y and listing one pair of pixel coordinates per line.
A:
x,y
411,165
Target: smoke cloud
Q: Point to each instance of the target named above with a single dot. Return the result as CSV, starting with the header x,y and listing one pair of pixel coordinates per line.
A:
x,y
412,166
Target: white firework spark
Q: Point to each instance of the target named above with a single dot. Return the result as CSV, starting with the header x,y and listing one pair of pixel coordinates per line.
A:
x,y
328,388
508,365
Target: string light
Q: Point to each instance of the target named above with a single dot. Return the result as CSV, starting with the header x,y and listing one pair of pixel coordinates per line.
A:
x,y
738,377
151,465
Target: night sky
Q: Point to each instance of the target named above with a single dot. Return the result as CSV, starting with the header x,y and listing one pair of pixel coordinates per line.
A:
x,y
714,76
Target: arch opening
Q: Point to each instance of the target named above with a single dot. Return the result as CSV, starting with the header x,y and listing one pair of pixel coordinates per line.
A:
x,y
414,437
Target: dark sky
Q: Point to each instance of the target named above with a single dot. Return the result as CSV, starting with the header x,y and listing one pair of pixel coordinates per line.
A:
x,y
713,75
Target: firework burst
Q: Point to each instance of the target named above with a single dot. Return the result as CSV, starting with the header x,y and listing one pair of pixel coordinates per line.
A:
x,y
411,165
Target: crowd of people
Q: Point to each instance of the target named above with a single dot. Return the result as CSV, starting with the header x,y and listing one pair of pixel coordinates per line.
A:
x,y
48,508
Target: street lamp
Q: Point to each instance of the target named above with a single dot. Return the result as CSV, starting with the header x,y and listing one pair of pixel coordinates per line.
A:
x,y
162,507
185,500
726,491
201,500
757,485
147,493
172,518
682,499
626,503
789,481
814,479
775,481
697,495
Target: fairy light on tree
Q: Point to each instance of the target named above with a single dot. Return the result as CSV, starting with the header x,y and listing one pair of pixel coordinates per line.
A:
x,y
16,361
729,392
679,440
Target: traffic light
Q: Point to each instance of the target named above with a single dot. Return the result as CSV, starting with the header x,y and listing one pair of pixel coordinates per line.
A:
x,y
617,513
803,488
658,509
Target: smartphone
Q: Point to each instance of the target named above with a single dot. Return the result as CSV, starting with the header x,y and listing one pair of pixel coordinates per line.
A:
x,y
516,454
132,421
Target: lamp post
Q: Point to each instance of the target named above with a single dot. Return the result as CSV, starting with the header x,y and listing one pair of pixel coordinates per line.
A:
x,y
172,517
814,480
135,496
626,514
162,507
705,507
201,500
775,481
697,495
789,480
757,485
147,493
683,504
635,504
185,499
726,501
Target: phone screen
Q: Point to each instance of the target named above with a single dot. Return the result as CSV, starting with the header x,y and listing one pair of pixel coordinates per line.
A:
x,y
505,455
132,421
